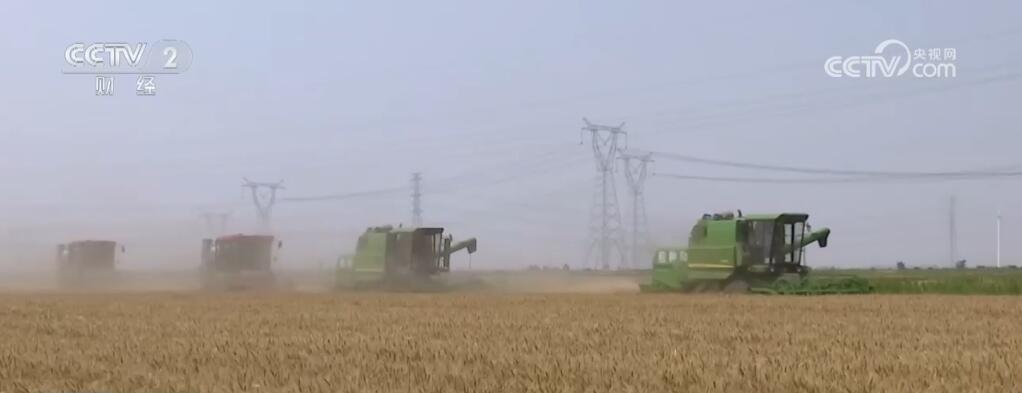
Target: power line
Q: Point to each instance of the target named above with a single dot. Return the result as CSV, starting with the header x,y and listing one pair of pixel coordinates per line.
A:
x,y
397,190
818,105
541,168
506,213
836,180
544,161
522,165
349,195
777,100
771,70
457,182
829,171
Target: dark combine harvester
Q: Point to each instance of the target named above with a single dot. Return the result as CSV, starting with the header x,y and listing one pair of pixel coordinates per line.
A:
x,y
86,262
238,262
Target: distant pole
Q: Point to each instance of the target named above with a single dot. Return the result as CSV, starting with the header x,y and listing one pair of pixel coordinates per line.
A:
x,y
952,233
417,199
998,238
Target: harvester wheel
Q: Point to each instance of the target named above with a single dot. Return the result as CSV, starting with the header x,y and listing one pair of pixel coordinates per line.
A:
x,y
703,286
736,286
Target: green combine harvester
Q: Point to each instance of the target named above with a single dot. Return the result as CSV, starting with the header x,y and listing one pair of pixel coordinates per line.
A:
x,y
400,259
761,253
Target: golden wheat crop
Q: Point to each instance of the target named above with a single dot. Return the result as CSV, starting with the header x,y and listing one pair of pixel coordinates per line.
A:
x,y
508,343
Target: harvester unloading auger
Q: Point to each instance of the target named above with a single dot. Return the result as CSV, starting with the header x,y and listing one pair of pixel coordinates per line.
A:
x,y
762,253
400,259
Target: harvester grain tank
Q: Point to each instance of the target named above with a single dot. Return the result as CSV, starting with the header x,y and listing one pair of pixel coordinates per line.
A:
x,y
87,262
762,253
400,258
239,262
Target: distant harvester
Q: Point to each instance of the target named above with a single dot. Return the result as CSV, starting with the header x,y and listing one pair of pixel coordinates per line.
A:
x,y
86,262
400,258
239,262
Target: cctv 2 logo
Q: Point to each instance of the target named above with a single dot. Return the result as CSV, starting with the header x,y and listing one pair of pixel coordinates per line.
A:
x,y
160,57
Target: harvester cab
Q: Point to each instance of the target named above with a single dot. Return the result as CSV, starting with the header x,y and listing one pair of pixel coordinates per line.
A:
x,y
400,258
86,261
775,244
737,253
238,262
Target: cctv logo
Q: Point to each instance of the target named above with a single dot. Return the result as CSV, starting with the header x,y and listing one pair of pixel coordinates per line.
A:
x,y
143,58
872,66
105,54
892,58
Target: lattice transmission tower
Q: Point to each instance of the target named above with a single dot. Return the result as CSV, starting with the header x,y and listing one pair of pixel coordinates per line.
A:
x,y
417,199
264,197
606,238
636,171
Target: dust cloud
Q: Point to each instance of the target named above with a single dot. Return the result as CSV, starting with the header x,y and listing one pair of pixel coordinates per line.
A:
x,y
319,281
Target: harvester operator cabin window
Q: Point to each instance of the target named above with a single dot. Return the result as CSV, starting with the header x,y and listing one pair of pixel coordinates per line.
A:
x,y
759,236
798,230
792,238
789,237
762,234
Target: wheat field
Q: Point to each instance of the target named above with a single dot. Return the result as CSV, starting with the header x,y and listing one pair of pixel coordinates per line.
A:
x,y
292,342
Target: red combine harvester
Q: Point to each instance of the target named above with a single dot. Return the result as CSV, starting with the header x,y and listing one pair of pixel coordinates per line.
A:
x,y
238,262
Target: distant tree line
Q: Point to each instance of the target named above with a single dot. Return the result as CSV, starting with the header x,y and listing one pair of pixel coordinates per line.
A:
x,y
538,267
961,264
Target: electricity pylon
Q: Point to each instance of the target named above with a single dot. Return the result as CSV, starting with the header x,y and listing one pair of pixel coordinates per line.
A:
x,y
605,234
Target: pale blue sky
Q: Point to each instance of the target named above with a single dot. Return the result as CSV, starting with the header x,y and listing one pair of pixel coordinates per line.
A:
x,y
348,96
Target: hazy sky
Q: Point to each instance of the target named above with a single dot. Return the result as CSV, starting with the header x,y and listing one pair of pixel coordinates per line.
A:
x,y
337,97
